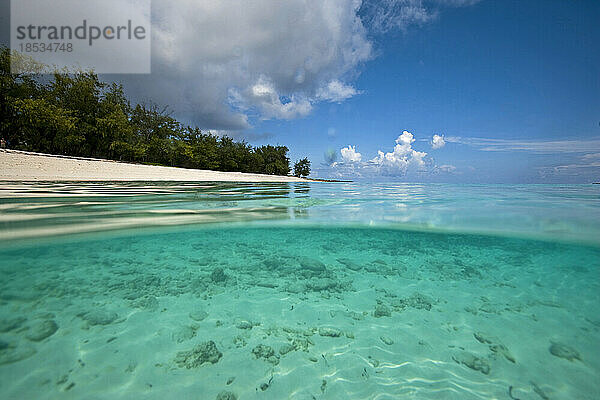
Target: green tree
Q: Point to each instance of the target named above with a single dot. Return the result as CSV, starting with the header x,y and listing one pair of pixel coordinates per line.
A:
x,y
201,150
114,128
44,127
302,168
154,130
275,160
80,94
78,114
12,88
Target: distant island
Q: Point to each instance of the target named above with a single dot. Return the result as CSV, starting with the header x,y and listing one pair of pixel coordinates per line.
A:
x,y
79,115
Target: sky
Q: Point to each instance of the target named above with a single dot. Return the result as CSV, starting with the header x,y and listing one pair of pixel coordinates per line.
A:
x,y
406,90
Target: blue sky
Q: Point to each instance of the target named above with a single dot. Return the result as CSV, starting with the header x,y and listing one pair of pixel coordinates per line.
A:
x,y
361,87
523,73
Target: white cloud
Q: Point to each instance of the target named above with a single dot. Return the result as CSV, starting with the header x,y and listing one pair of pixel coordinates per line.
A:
x,y
401,158
400,161
580,158
591,157
221,64
263,96
447,168
584,164
385,15
437,142
590,171
406,138
535,146
336,91
350,155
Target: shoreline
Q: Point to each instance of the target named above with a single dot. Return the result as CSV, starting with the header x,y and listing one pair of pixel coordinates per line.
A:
x,y
17,165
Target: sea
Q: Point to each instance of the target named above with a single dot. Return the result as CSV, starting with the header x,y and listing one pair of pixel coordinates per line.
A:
x,y
346,290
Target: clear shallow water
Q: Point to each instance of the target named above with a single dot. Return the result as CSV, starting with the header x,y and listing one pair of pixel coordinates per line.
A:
x,y
299,291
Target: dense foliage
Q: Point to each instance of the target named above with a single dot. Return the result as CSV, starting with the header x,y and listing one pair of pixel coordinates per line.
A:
x,y
302,168
78,115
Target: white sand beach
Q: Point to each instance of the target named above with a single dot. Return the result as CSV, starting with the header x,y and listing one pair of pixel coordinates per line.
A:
x,y
26,166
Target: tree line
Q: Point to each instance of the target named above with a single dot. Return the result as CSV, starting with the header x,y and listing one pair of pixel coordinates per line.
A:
x,y
79,115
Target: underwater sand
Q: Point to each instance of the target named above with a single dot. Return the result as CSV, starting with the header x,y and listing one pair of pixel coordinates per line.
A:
x,y
288,307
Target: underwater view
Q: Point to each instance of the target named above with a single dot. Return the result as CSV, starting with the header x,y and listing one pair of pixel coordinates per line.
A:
x,y
299,291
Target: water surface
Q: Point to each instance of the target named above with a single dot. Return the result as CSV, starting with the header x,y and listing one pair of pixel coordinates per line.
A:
x,y
301,291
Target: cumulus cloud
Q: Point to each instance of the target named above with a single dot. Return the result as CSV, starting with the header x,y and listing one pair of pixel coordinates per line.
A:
x,y
437,142
336,91
350,155
264,97
223,64
401,158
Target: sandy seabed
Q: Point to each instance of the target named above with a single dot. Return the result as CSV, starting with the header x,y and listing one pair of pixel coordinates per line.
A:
x,y
299,314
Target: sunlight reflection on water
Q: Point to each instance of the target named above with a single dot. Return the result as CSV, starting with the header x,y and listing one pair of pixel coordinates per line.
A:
x,y
551,212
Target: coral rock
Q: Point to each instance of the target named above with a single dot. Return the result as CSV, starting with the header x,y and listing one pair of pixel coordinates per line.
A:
x,y
206,352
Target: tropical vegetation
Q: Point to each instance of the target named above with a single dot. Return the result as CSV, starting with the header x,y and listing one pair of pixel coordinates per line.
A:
x,y
79,115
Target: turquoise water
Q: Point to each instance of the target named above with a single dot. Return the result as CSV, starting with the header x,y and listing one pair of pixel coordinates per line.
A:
x,y
299,291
